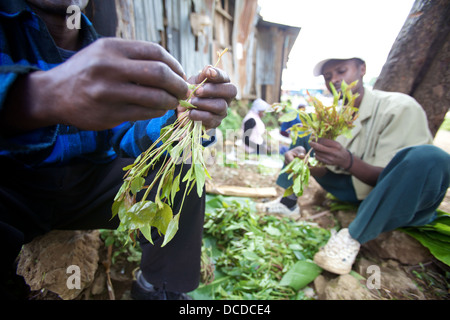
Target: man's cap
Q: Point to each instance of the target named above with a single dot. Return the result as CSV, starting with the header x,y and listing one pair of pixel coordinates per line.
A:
x,y
318,68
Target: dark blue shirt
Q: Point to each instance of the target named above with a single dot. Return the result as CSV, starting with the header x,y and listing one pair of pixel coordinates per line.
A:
x,y
27,46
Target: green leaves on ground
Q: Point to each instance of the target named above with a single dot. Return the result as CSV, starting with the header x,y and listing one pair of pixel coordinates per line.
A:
x,y
300,275
255,256
435,236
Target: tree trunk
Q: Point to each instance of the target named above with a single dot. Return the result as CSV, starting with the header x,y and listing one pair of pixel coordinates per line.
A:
x,y
418,63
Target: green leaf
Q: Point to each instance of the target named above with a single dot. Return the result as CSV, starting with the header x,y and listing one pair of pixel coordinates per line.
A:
x,y
115,208
200,178
172,229
128,167
272,231
336,95
188,176
287,117
298,185
300,275
137,184
146,232
175,187
288,192
186,104
439,249
162,219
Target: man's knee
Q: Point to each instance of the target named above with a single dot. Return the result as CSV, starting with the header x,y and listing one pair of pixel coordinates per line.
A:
x,y
425,157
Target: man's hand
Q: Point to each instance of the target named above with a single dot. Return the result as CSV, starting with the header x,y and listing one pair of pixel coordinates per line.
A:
x,y
331,152
212,98
297,152
300,152
109,82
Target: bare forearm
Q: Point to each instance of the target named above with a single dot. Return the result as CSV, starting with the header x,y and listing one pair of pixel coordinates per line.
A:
x,y
365,172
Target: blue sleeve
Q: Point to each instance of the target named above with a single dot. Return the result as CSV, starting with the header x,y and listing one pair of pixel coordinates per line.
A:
x,y
130,139
10,69
6,80
32,141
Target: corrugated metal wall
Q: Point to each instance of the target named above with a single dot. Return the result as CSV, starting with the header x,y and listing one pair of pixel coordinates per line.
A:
x,y
194,30
168,22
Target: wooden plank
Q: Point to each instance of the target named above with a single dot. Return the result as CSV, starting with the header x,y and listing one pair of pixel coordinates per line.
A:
x,y
241,191
125,20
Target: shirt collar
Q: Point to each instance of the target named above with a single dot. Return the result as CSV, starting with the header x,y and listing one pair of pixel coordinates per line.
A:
x,y
14,7
366,104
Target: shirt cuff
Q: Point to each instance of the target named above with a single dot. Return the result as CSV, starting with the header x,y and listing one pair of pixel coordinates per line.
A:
x,y
29,142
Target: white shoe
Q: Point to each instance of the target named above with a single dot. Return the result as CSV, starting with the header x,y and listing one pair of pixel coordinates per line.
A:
x,y
339,254
276,207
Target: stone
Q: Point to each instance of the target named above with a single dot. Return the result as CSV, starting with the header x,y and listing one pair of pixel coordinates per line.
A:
x,y
343,287
394,281
51,262
99,284
398,246
345,217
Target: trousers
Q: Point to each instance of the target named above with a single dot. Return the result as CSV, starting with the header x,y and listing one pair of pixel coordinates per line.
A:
x,y
407,193
79,196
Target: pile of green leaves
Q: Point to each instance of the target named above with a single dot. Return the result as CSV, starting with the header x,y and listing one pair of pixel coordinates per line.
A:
x,y
435,236
179,144
327,122
257,257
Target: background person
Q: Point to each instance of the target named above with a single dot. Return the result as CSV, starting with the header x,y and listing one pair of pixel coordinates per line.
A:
x,y
253,128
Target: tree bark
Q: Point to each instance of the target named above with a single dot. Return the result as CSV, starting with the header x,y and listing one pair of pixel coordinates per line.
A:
x,y
418,63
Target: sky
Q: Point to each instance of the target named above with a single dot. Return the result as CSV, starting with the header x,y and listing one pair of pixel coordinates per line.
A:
x,y
333,28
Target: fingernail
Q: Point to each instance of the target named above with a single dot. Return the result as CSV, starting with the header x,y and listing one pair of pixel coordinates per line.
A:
x,y
199,91
212,73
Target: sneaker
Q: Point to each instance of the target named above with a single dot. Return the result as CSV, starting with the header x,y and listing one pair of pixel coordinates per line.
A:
x,y
276,207
339,254
142,290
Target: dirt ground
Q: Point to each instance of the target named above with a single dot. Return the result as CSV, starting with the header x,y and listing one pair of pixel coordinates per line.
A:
x,y
313,207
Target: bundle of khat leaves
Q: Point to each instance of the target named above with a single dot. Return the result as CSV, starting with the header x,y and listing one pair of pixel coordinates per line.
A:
x,y
324,122
179,144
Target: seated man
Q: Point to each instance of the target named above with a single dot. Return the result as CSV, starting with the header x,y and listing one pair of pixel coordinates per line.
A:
x,y
74,111
388,166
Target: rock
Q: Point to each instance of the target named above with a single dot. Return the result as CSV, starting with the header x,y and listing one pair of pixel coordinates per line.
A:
x,y
44,263
99,284
345,217
394,282
344,287
320,283
398,246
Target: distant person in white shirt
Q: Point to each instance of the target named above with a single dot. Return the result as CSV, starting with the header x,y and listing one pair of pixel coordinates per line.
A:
x,y
254,128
